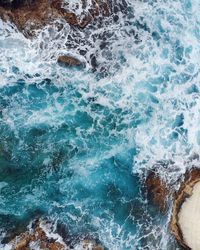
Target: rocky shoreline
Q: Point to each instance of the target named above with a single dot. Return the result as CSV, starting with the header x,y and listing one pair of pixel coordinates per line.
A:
x,y
159,193
30,16
192,177
40,235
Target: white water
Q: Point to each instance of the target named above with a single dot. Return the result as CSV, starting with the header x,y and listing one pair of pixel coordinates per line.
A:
x,y
154,77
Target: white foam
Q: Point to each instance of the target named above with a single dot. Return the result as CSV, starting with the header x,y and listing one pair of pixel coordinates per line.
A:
x,y
132,86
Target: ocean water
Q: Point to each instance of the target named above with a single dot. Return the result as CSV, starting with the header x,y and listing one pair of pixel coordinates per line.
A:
x,y
76,144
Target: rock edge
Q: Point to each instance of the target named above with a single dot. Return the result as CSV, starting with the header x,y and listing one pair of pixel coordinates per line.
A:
x,y
185,191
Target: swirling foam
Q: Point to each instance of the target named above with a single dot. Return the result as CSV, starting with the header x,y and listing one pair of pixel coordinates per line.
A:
x,y
147,102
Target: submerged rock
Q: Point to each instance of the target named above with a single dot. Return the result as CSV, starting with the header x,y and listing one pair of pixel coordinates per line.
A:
x,y
88,245
184,222
157,191
70,61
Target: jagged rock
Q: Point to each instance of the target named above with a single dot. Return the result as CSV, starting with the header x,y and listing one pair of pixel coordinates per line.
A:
x,y
29,18
36,236
157,191
69,61
31,15
185,192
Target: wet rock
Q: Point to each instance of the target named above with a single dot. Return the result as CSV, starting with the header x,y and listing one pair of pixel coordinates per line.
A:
x,y
185,192
70,61
31,15
15,3
157,191
42,236
70,17
93,61
28,18
34,14
36,236
88,245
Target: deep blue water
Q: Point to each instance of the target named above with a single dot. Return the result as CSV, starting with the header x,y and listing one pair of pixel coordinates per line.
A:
x,y
75,144
61,161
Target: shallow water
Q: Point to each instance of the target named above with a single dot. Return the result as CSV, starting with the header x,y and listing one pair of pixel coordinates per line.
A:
x,y
75,145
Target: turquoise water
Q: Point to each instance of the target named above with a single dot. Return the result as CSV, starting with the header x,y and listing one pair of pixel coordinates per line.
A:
x,y
75,144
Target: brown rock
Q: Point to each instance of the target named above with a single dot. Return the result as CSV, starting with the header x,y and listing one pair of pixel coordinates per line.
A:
x,y
70,17
157,191
33,15
69,61
185,191
22,245
37,235
29,18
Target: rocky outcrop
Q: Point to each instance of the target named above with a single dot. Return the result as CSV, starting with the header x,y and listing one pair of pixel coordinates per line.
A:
x,y
185,191
30,16
36,236
70,61
40,236
157,191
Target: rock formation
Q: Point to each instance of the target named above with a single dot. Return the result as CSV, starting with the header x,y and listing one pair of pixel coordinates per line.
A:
x,y
41,238
38,237
181,197
157,191
184,223
30,16
70,61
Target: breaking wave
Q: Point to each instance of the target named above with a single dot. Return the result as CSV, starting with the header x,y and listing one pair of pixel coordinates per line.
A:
x,y
75,145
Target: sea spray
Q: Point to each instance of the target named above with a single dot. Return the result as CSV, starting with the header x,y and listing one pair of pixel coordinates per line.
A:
x,y
75,144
